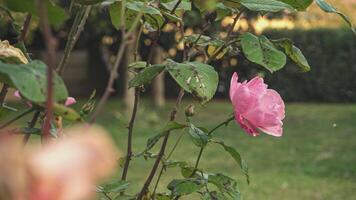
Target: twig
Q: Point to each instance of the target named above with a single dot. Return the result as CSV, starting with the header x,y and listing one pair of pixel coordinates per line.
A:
x,y
74,34
26,112
163,148
51,51
130,133
221,48
165,22
113,75
162,168
3,93
224,123
25,28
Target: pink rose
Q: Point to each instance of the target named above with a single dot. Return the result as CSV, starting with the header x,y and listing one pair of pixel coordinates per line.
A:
x,y
257,108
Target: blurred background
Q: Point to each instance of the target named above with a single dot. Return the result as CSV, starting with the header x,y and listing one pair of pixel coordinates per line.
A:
x,y
316,157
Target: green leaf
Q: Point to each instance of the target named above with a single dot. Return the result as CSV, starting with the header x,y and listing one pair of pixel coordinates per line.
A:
x,y
115,14
201,80
326,7
116,186
184,5
146,75
56,15
261,51
31,80
237,157
66,112
199,137
139,6
160,196
225,184
169,127
266,5
199,40
294,53
300,5
187,171
222,11
180,187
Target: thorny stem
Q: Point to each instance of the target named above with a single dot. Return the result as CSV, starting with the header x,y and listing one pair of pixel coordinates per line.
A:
x,y
185,58
26,112
133,115
130,134
162,168
163,148
51,51
74,34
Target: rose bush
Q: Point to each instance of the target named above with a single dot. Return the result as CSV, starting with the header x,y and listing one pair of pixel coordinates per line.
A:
x,y
68,167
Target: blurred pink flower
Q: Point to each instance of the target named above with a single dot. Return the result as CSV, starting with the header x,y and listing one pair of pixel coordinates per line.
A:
x,y
256,107
70,101
65,169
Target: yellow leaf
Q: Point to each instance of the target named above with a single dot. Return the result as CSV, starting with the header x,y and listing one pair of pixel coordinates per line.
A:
x,y
10,54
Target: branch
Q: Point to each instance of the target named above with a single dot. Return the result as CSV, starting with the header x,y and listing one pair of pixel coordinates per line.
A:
x,y
113,75
25,27
130,133
226,43
51,44
163,148
155,42
74,34
224,123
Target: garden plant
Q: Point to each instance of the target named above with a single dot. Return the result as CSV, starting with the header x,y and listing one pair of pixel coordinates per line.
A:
x,y
257,109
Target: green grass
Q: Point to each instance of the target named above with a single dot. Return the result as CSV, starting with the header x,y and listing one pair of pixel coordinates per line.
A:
x,y
315,159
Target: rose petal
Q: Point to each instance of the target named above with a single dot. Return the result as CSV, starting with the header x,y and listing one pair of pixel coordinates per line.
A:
x,y
234,85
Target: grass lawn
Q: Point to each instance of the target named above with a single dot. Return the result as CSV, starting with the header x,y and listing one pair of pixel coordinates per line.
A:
x,y
315,159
